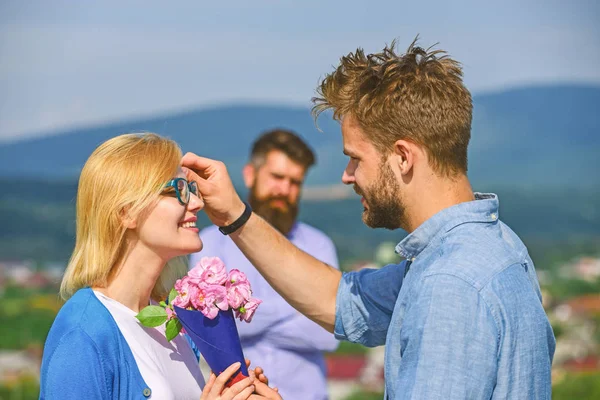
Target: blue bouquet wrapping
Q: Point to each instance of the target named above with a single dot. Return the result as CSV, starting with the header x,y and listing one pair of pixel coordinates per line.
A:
x,y
217,339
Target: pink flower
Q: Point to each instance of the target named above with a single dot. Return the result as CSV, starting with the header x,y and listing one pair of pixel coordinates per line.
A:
x,y
217,295
246,312
182,284
210,311
209,299
238,288
183,288
210,270
197,297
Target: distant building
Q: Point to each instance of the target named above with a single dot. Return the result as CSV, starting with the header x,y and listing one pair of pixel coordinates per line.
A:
x,y
54,271
17,364
588,268
585,305
17,271
585,268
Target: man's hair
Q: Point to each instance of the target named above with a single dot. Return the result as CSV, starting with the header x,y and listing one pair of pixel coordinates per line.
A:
x,y
285,141
418,96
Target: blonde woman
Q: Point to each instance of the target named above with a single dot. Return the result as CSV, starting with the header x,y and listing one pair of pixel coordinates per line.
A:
x,y
136,214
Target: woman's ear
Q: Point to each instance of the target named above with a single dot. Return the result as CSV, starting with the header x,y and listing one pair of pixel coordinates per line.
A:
x,y
249,173
127,220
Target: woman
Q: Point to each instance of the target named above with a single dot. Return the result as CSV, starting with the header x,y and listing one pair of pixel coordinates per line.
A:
x,y
136,215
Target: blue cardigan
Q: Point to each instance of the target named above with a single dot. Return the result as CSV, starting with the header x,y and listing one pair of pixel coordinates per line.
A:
x,y
87,357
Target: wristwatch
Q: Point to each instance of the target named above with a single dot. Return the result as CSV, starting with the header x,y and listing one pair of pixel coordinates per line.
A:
x,y
237,224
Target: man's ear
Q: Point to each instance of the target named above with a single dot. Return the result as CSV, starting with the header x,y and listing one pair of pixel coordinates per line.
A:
x,y
127,220
405,153
249,173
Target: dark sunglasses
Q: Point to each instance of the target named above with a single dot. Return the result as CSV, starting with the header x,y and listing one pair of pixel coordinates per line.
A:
x,y
183,188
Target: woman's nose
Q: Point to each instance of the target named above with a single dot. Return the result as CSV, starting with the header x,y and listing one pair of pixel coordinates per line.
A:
x,y
196,202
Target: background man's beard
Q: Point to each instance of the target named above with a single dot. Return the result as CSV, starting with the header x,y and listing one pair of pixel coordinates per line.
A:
x,y
282,220
385,209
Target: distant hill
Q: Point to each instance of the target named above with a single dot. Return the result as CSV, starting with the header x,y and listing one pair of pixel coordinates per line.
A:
x,y
38,221
529,137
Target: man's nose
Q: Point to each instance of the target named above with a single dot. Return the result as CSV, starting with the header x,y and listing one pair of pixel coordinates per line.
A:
x,y
347,177
283,188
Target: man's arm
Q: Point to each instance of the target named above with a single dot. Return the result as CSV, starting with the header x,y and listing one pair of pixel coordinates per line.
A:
x,y
452,353
298,333
308,284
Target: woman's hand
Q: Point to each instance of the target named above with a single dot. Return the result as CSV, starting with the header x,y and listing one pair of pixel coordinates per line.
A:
x,y
215,387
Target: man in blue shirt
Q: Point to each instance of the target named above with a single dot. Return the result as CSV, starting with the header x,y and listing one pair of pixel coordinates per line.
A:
x,y
280,339
462,317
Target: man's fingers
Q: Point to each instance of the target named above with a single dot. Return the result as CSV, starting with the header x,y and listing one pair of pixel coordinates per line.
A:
x,y
260,374
201,165
263,378
192,176
265,391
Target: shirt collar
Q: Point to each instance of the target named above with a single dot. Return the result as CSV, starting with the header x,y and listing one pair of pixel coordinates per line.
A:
x,y
483,209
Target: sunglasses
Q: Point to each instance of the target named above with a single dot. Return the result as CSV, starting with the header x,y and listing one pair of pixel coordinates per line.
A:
x,y
182,188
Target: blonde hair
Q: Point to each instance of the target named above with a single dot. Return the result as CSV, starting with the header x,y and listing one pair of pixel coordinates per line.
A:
x,y
124,176
417,96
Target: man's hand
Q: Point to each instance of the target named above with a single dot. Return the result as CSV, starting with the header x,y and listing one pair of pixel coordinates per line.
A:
x,y
221,202
262,391
259,373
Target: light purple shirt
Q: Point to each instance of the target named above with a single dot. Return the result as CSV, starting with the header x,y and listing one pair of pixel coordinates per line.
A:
x,y
285,343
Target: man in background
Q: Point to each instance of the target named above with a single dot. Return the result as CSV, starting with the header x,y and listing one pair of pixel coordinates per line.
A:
x,y
281,340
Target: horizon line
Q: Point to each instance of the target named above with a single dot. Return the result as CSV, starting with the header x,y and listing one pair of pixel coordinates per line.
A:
x,y
247,102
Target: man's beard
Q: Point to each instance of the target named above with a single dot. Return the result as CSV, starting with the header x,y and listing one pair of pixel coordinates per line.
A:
x,y
282,219
385,208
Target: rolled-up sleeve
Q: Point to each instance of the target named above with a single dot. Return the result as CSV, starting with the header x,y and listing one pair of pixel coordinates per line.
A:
x,y
365,302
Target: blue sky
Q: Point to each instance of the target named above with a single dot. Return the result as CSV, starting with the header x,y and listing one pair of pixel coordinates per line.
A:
x,y
72,63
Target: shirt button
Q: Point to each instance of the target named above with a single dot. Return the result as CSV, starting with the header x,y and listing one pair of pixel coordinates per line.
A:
x,y
147,392
494,216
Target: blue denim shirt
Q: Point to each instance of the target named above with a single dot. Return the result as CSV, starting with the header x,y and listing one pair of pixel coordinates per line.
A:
x,y
461,318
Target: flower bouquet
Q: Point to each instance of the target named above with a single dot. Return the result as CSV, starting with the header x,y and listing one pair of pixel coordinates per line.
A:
x,y
203,304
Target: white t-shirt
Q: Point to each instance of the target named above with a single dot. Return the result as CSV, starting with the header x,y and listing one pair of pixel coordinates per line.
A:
x,y
170,369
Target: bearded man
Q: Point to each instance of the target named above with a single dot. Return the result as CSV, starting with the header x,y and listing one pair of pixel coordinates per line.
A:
x,y
279,339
